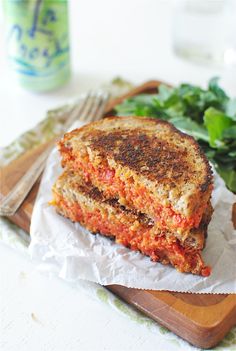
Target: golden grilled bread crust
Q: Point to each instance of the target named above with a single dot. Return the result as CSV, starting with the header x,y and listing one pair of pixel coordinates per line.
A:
x,y
81,202
145,151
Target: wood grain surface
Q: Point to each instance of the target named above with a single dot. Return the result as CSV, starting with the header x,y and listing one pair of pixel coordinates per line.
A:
x,y
201,319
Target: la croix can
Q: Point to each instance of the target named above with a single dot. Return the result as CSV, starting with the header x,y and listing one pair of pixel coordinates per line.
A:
x,y
37,41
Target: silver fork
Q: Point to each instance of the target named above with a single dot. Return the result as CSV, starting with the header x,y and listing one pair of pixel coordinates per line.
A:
x,y
91,108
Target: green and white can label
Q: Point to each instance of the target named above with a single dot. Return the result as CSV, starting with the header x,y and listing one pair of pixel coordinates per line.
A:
x,y
38,42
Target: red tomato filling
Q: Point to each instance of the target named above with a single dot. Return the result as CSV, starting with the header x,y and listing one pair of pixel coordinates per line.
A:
x,y
137,197
157,247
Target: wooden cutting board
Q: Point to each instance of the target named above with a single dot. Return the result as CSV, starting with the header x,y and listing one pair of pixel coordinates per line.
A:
x,y
201,319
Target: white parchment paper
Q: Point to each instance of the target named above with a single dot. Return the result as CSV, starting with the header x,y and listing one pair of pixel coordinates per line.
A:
x,y
73,253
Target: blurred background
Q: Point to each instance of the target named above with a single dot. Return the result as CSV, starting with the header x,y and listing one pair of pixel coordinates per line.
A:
x,y
173,41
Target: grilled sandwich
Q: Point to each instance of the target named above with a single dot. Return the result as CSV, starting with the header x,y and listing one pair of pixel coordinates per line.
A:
x,y
80,201
146,165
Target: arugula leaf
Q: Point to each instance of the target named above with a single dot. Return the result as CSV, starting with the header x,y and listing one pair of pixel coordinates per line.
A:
x,y
229,176
141,105
230,133
190,127
231,109
164,92
215,88
216,122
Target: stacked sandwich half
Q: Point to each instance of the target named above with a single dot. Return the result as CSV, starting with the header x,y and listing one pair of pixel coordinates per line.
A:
x,y
141,182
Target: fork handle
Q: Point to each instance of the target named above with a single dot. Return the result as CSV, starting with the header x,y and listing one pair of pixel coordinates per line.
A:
x,y
10,203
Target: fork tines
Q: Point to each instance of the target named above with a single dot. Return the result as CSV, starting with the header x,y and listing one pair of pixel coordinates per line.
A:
x,y
94,105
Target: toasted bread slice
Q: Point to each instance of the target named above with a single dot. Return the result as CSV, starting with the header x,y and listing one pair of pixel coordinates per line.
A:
x,y
81,202
147,164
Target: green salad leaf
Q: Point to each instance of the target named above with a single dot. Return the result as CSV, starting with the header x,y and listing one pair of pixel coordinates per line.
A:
x,y
189,126
209,115
216,123
231,109
230,133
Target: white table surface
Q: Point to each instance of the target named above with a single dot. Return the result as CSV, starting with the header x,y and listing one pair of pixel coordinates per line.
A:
x,y
131,39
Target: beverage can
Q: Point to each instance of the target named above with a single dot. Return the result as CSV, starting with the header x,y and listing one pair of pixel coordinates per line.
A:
x,y
37,40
